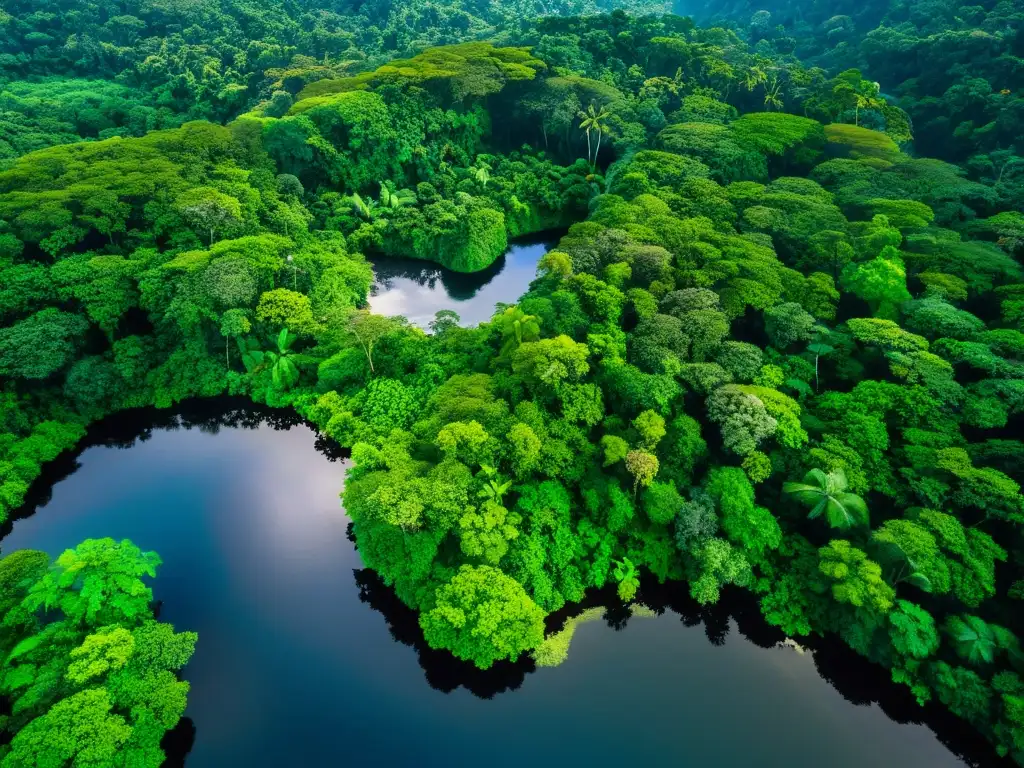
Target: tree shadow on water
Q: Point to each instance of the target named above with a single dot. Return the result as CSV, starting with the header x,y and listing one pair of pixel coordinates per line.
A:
x,y
177,743
443,671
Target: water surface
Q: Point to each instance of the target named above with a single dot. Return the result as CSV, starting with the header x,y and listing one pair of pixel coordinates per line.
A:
x,y
418,289
306,659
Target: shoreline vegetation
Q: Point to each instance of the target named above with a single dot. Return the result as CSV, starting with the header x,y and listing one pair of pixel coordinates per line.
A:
x,y
777,349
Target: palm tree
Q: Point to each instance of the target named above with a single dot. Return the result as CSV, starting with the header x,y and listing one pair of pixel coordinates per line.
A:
x,y
495,486
771,93
826,494
482,173
628,577
973,638
393,199
819,349
364,208
898,566
517,327
753,77
594,119
282,361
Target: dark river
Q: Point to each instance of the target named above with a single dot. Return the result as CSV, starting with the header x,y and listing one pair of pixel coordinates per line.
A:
x,y
304,659
418,289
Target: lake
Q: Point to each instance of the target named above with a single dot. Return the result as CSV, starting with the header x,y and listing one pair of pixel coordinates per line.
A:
x,y
306,659
418,289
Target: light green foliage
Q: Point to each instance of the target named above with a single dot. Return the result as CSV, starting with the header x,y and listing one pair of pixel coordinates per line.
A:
x,y
517,327
100,654
853,578
912,630
744,419
284,308
628,578
775,133
757,466
615,449
750,527
463,440
651,427
662,502
99,582
881,282
551,361
643,466
482,616
484,532
80,730
716,564
951,558
93,681
555,648
526,449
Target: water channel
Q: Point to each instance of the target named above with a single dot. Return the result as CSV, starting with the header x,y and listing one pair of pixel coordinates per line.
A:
x,y
419,289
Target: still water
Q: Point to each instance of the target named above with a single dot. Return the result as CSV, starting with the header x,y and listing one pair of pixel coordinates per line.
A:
x,y
418,289
305,659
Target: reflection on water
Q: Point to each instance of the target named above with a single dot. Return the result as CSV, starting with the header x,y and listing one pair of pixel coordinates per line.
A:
x,y
306,659
419,289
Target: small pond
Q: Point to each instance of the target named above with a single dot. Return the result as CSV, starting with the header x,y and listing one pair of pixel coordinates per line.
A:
x,y
306,659
418,289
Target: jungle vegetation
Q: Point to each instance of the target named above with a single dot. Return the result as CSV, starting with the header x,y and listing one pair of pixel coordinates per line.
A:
x,y
780,348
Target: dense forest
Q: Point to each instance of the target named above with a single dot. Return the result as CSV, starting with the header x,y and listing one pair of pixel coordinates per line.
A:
x,y
780,347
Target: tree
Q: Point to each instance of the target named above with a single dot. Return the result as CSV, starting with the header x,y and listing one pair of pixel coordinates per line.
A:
x,y
485,531
289,185
209,210
643,466
482,173
41,345
717,563
551,361
233,324
516,327
651,428
628,578
744,418
285,307
615,449
391,199
282,361
368,329
826,494
853,578
788,324
747,525
482,616
881,282
78,730
594,119
662,502
98,582
976,641
696,522
362,207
